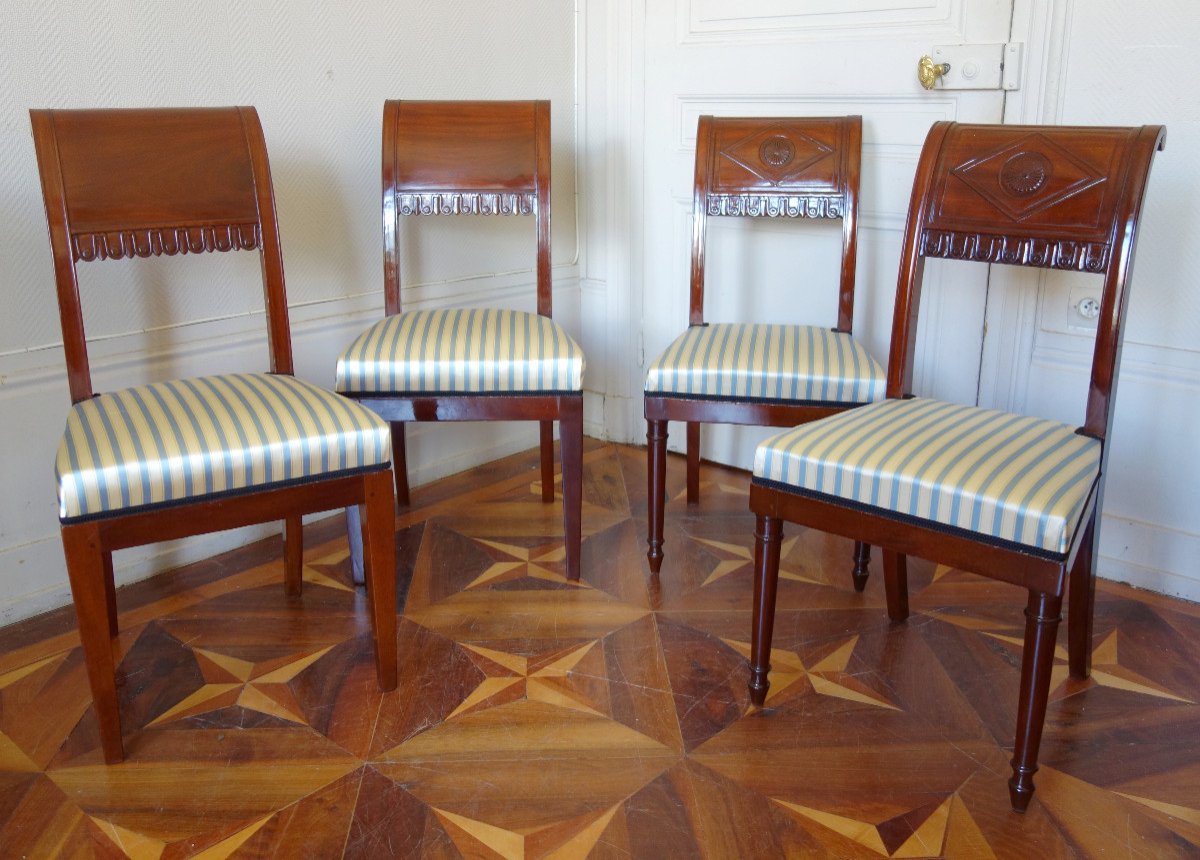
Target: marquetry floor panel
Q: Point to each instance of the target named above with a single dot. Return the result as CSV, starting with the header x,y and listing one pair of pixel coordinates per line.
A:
x,y
540,718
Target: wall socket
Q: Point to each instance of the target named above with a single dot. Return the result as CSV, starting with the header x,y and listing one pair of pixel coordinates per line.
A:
x,y
1083,307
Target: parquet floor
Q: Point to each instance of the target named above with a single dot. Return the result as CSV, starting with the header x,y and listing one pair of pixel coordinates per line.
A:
x,y
536,718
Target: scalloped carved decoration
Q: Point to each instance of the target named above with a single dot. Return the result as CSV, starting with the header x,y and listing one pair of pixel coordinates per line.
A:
x,y
466,203
159,241
776,206
1015,250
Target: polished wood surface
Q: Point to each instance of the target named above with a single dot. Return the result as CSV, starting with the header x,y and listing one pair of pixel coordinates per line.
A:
x,y
476,157
141,183
1048,197
745,168
540,718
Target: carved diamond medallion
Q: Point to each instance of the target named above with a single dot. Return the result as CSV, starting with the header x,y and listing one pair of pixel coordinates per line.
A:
x,y
1029,176
776,153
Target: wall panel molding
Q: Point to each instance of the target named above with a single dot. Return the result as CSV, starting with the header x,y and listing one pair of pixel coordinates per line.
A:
x,y
701,21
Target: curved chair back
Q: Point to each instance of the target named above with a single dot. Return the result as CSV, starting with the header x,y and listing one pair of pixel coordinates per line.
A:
x,y
465,158
151,182
778,168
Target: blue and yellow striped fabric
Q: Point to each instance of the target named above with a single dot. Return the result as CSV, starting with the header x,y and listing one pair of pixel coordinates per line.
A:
x,y
462,350
768,362
1014,478
168,441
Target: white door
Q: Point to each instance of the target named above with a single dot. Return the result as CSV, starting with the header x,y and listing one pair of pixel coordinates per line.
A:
x,y
823,57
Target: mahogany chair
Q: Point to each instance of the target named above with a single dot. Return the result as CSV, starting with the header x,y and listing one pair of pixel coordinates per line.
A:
x,y
764,375
1011,497
167,460
472,364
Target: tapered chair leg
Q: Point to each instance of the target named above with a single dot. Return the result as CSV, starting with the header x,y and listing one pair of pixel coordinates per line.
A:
x,y
379,538
895,582
293,555
1037,663
399,463
1082,607
693,462
862,558
768,537
546,447
656,474
89,589
570,430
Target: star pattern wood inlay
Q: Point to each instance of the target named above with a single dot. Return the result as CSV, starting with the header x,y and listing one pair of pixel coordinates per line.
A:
x,y
540,718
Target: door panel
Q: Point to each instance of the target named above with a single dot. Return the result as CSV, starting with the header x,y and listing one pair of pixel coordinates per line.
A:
x,y
763,58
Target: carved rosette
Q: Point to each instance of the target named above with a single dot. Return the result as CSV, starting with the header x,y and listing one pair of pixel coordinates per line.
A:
x,y
775,205
458,203
1015,250
158,241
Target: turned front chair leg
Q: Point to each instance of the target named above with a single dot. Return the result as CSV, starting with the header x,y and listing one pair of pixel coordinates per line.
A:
x,y
379,539
546,447
1082,607
693,462
399,463
293,555
895,582
1037,663
86,571
570,432
862,558
656,476
768,536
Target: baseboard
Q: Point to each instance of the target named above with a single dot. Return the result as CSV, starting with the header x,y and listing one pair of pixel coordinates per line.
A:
x,y
1150,556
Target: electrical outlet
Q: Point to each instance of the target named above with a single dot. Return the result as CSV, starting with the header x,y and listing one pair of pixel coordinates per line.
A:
x,y
1088,308
1083,309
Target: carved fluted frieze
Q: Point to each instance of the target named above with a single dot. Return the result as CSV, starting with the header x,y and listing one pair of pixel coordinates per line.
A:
x,y
157,241
775,205
466,203
1016,250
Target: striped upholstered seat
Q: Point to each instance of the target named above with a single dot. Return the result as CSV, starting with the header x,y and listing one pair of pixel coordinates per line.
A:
x,y
161,443
1014,479
767,362
462,350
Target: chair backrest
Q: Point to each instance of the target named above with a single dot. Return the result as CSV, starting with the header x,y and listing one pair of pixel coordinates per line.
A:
x,y
778,167
465,158
1052,197
141,183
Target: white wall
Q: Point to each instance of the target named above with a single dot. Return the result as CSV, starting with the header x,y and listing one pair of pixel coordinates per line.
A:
x,y
318,72
1120,62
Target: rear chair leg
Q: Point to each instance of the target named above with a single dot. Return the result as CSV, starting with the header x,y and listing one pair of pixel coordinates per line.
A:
x,y
570,438
862,558
547,452
895,581
1082,607
693,463
293,555
399,463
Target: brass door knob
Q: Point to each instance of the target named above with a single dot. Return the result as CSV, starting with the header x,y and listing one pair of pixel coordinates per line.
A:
x,y
928,71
